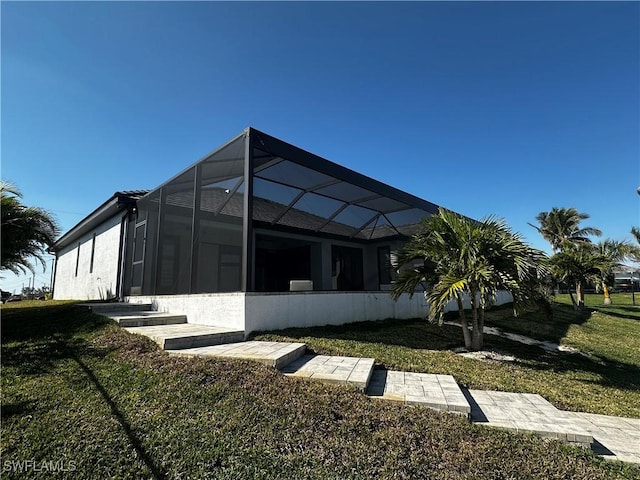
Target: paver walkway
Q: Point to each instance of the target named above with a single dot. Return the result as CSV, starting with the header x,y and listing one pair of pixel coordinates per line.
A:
x,y
436,391
615,438
611,437
525,412
273,354
344,370
187,335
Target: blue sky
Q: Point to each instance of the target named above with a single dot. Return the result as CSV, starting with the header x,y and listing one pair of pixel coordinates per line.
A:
x,y
505,108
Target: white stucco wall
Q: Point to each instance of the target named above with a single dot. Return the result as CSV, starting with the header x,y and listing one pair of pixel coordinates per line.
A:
x,y
275,311
305,309
216,309
102,281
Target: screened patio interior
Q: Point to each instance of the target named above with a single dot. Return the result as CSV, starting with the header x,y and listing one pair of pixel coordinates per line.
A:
x,y
259,213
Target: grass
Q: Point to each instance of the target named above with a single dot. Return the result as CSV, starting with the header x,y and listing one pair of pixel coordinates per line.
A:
x,y
535,325
80,391
607,381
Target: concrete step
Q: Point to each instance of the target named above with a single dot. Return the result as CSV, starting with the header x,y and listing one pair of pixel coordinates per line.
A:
x,y
187,335
440,392
110,307
331,369
146,319
273,354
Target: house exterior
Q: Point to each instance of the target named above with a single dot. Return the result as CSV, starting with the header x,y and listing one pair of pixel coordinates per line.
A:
x,y
89,258
257,235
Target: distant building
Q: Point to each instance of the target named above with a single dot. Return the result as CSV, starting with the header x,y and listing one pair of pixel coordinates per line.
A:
x,y
627,280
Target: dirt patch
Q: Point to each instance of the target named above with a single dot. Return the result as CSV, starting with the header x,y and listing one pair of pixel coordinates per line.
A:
x,y
487,356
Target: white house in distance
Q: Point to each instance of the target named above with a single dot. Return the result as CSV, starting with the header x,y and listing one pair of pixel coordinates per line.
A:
x,y
257,235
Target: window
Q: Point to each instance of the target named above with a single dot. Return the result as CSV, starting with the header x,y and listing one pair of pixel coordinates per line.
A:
x,y
78,259
93,252
384,265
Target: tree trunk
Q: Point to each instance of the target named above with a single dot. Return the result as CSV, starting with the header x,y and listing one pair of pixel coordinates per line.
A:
x,y
481,327
477,334
465,324
573,301
580,295
607,297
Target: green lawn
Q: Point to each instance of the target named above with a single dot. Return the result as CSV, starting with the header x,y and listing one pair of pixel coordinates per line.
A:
x,y
79,391
607,381
537,326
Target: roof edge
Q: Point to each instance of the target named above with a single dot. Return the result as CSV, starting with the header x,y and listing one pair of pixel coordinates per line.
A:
x,y
116,203
311,160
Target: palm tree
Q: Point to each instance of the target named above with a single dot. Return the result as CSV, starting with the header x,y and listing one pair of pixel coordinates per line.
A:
x,y
26,231
578,265
635,231
611,255
561,226
426,257
464,258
